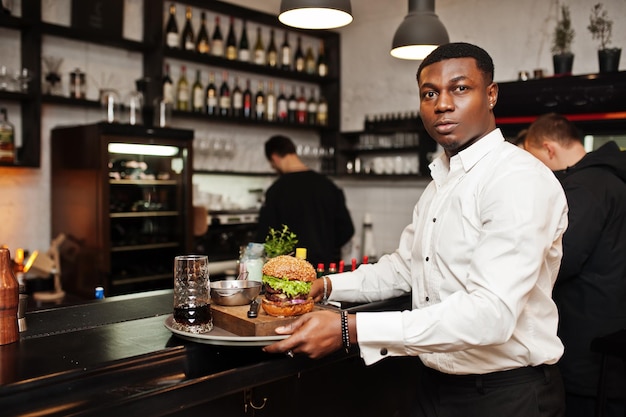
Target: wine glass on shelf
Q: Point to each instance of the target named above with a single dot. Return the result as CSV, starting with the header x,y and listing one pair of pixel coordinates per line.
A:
x,y
22,77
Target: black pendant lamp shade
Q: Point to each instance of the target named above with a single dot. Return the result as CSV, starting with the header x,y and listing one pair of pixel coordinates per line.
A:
x,y
420,32
315,14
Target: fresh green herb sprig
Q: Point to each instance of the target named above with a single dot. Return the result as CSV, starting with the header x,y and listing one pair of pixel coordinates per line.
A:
x,y
280,242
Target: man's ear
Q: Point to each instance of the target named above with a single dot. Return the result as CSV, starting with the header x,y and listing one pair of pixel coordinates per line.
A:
x,y
550,148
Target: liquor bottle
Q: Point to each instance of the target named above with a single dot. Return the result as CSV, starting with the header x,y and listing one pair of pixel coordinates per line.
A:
x,y
309,62
285,53
247,101
320,270
7,138
270,101
171,29
259,102
259,50
197,94
322,112
332,268
224,96
272,52
231,41
203,44
244,47
182,90
167,86
282,107
301,107
9,298
187,41
211,95
237,100
292,106
311,109
298,58
322,65
217,41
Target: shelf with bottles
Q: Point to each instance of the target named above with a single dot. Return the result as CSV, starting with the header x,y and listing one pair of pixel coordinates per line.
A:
x,y
69,32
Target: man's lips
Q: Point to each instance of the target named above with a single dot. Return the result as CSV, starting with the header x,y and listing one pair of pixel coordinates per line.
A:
x,y
445,126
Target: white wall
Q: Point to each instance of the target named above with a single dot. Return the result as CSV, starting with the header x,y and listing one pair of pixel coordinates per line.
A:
x,y
517,34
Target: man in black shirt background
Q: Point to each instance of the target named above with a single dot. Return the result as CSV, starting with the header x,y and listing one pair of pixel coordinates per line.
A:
x,y
309,203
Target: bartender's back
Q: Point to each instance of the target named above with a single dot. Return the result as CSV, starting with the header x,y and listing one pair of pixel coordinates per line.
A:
x,y
309,203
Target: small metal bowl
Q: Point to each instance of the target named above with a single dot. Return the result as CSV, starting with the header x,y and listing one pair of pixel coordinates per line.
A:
x,y
234,292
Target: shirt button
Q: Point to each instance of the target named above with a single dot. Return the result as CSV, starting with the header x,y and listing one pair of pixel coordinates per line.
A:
x,y
427,259
383,351
434,219
427,298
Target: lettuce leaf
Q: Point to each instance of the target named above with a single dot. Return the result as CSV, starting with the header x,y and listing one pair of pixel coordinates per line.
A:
x,y
290,288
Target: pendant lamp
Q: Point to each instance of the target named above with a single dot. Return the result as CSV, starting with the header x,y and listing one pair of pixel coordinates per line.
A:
x,y
420,32
315,14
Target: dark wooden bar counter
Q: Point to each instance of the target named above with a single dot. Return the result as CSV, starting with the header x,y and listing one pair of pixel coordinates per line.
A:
x,y
116,357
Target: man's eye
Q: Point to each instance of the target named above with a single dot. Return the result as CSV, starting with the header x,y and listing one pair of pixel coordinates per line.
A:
x,y
429,94
461,88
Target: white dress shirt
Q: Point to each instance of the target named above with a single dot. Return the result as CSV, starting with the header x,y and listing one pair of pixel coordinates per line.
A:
x,y
480,257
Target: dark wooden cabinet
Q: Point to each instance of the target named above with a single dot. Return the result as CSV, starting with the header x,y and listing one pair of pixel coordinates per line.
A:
x,y
130,209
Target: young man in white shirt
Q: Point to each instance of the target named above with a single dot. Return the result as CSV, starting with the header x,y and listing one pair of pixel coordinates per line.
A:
x,y
480,259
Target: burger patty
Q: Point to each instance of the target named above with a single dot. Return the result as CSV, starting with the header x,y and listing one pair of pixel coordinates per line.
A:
x,y
277,296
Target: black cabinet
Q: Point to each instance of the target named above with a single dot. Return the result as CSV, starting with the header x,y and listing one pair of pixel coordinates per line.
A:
x,y
123,192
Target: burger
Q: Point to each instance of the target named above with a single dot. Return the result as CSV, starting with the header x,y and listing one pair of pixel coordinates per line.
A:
x,y
287,282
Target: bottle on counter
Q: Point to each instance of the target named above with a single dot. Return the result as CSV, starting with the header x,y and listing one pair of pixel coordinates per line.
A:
x,y
231,41
187,40
367,242
171,29
301,253
320,270
203,44
9,299
332,268
167,85
217,41
342,266
7,139
243,53
99,293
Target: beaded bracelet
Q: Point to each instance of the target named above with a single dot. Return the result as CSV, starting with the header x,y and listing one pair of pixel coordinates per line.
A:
x,y
325,298
345,335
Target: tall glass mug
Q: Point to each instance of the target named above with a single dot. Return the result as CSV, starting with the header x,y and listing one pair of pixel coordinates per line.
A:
x,y
192,309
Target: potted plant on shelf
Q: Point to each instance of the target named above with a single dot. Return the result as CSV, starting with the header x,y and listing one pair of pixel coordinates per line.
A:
x,y
601,28
562,56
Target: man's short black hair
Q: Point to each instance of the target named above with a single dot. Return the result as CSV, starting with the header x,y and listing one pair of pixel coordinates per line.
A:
x,y
460,50
279,145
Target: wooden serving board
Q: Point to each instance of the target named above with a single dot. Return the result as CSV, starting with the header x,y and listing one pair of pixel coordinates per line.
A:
x,y
235,320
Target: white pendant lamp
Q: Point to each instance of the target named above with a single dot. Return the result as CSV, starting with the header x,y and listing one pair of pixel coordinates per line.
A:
x,y
315,14
420,32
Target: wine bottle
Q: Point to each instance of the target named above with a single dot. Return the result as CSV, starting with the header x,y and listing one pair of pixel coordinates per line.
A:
x,y
285,53
203,45
187,41
167,86
322,111
197,94
217,41
259,102
298,58
259,50
171,29
311,109
322,65
211,95
182,90
292,106
7,138
301,107
237,100
309,64
244,47
9,299
270,101
282,107
272,52
247,101
231,41
224,96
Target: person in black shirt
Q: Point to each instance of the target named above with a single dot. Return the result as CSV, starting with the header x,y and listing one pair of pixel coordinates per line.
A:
x,y
309,203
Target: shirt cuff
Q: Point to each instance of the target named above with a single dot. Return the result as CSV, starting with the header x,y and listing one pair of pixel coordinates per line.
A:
x,y
380,335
